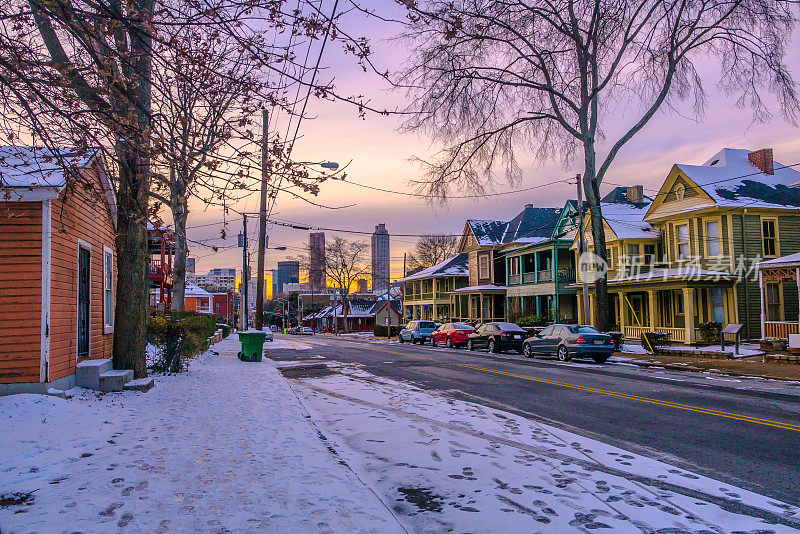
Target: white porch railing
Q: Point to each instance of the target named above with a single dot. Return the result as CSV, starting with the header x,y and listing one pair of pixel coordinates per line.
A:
x,y
675,334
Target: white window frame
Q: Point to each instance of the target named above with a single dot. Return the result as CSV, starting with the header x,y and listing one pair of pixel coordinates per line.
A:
x,y
108,326
679,242
709,240
86,246
774,237
483,269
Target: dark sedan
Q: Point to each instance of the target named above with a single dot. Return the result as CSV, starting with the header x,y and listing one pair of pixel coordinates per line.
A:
x,y
567,341
497,337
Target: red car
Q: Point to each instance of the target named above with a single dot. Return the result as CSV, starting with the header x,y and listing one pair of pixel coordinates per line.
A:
x,y
451,334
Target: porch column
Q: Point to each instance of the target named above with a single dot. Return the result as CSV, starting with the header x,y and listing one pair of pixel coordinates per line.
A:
x,y
651,300
480,306
797,280
623,309
688,311
538,303
536,267
556,304
762,287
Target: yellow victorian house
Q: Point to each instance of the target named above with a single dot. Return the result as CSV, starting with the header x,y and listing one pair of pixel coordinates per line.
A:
x,y
691,255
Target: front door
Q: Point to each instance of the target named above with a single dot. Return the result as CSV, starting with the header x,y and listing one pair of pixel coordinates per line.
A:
x,y
83,303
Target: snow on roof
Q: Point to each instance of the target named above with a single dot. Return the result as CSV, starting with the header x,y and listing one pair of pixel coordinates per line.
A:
x,y
784,261
488,233
24,166
627,220
531,222
359,307
458,265
730,179
476,289
193,290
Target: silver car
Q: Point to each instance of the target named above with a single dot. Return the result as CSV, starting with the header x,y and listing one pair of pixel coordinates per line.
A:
x,y
417,332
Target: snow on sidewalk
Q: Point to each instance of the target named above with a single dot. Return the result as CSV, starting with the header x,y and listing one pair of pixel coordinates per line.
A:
x,y
449,464
223,448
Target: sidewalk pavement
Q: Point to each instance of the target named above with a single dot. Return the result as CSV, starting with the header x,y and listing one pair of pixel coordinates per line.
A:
x,y
225,447
450,465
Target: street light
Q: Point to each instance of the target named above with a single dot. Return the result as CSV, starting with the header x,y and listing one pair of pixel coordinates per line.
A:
x,y
331,165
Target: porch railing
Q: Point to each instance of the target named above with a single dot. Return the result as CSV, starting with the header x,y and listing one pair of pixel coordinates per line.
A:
x,y
513,279
780,329
675,334
528,278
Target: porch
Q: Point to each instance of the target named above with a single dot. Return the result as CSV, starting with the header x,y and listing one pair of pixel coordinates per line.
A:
x,y
779,282
478,303
676,309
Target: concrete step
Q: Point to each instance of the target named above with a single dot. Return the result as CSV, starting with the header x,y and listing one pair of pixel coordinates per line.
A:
x,y
140,384
115,380
87,374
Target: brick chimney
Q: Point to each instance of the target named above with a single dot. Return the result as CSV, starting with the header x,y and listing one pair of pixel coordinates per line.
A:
x,y
762,160
635,194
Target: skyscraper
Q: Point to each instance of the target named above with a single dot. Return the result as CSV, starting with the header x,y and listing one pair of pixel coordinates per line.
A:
x,y
316,257
380,259
288,272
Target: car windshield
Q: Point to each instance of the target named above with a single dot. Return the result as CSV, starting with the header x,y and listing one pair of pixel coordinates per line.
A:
x,y
509,326
427,324
584,330
462,326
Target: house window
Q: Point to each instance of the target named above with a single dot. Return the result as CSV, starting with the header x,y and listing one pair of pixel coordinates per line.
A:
x,y
768,237
514,266
683,241
773,298
649,254
713,239
678,303
680,191
108,290
718,304
483,266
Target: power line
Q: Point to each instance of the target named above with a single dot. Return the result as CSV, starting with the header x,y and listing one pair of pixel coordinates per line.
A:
x,y
477,195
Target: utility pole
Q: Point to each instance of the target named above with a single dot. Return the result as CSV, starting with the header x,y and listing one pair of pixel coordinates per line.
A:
x,y
244,272
582,248
262,221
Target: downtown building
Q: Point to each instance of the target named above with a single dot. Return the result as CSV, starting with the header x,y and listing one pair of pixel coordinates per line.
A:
x,y
316,256
380,259
288,272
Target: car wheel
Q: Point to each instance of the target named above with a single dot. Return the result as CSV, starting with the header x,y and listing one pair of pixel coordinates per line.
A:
x,y
563,354
492,346
433,342
470,346
400,339
526,351
600,359
448,343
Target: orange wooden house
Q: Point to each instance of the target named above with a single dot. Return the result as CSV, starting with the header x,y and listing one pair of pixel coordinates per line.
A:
x,y
57,265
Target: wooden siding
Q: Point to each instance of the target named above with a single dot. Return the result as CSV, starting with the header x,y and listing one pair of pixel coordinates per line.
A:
x,y
20,291
82,215
748,294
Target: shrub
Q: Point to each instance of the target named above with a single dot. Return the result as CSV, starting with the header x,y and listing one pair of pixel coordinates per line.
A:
x,y
656,339
380,330
534,320
226,329
710,331
180,336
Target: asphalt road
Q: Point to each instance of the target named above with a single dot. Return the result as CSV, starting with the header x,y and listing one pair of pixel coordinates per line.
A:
x,y
738,438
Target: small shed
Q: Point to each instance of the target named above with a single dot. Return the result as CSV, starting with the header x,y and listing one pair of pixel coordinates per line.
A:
x,y
197,299
58,265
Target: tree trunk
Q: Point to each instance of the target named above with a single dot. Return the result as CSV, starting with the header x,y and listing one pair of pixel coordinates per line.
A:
x,y
131,310
592,190
344,312
180,212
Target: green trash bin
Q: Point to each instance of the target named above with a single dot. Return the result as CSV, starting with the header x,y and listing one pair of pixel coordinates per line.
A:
x,y
252,346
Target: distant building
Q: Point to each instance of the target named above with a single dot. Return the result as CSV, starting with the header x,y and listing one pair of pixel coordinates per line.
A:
x,y
380,259
316,256
190,266
362,285
288,272
216,279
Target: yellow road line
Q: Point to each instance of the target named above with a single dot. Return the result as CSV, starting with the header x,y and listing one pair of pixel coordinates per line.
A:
x,y
707,411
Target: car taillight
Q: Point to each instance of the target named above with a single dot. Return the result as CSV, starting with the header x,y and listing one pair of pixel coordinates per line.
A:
x,y
505,334
581,340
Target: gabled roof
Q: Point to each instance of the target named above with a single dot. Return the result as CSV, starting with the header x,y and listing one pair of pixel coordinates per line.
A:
x,y
731,180
531,222
626,220
488,233
25,166
458,265
619,195
193,290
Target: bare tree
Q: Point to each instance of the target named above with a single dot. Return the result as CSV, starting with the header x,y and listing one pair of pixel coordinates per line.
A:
x,y
432,249
345,262
491,76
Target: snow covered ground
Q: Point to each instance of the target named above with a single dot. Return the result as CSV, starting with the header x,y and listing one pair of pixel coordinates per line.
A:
x,y
284,344
225,447
445,464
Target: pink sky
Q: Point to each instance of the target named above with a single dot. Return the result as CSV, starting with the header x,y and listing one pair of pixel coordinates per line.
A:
x,y
379,156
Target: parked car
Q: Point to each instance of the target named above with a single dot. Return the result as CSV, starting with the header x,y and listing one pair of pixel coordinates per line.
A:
x,y
567,341
273,328
451,334
268,332
497,337
417,332
307,331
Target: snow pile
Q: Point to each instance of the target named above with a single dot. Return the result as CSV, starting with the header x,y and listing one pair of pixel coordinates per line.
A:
x,y
453,465
225,447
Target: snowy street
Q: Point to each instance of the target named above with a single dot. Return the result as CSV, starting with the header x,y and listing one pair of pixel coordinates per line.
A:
x,y
232,446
